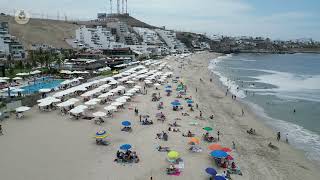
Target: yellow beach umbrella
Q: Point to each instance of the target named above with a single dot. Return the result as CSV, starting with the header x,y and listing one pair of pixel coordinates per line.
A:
x,y
115,72
173,155
101,137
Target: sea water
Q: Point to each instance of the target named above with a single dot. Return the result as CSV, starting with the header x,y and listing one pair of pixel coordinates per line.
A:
x,y
276,85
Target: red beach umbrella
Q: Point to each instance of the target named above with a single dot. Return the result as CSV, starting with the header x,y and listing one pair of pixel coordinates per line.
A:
x,y
225,149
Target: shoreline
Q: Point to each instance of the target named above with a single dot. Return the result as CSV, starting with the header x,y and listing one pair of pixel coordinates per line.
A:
x,y
266,133
261,115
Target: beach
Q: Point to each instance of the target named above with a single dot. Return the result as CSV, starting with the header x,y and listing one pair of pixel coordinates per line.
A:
x,y
47,145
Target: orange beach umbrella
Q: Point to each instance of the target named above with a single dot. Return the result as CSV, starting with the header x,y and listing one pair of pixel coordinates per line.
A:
x,y
215,147
194,140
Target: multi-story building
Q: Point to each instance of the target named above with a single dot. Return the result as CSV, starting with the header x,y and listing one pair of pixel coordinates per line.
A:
x,y
96,38
170,38
9,45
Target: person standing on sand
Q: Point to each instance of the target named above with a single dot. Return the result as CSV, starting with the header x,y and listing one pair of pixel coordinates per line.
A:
x,y
287,140
200,114
196,89
233,145
1,133
278,136
242,112
218,133
197,105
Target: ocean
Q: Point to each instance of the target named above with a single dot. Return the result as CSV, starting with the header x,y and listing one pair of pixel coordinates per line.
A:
x,y
284,89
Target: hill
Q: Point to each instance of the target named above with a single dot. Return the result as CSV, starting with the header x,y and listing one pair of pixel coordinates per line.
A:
x,y
131,21
42,31
54,32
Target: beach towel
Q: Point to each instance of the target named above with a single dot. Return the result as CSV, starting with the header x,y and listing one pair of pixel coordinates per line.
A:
x,y
176,174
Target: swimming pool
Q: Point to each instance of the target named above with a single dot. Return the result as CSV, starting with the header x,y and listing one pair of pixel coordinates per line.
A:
x,y
41,83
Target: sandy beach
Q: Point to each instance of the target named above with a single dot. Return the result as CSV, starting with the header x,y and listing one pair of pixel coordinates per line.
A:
x,y
47,145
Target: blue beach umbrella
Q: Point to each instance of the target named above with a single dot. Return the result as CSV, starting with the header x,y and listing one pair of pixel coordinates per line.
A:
x,y
211,171
168,90
126,123
189,101
219,178
219,154
168,86
101,133
125,147
175,103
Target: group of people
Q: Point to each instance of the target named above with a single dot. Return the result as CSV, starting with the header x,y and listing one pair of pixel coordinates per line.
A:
x,y
163,136
251,131
127,157
208,138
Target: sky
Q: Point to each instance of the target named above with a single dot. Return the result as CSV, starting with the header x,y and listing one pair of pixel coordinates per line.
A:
x,y
278,19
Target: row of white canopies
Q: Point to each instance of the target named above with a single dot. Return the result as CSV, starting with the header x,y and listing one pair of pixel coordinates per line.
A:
x,y
101,87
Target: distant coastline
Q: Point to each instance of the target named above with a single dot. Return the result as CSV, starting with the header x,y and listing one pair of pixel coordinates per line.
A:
x,y
292,51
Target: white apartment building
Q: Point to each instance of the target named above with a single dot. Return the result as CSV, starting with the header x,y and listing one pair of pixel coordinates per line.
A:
x,y
9,45
149,36
171,40
96,38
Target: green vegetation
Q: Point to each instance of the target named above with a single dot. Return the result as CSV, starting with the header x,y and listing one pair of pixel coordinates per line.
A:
x,y
41,60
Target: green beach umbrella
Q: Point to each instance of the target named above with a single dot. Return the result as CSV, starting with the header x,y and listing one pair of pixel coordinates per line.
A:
x,y
207,129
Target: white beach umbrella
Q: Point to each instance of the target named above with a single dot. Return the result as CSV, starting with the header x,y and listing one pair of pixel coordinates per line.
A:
x,y
121,100
137,87
4,78
157,84
117,104
73,100
121,88
113,82
65,104
130,82
45,90
17,78
125,97
128,94
105,95
110,108
22,74
46,103
23,109
76,111
91,103
99,114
